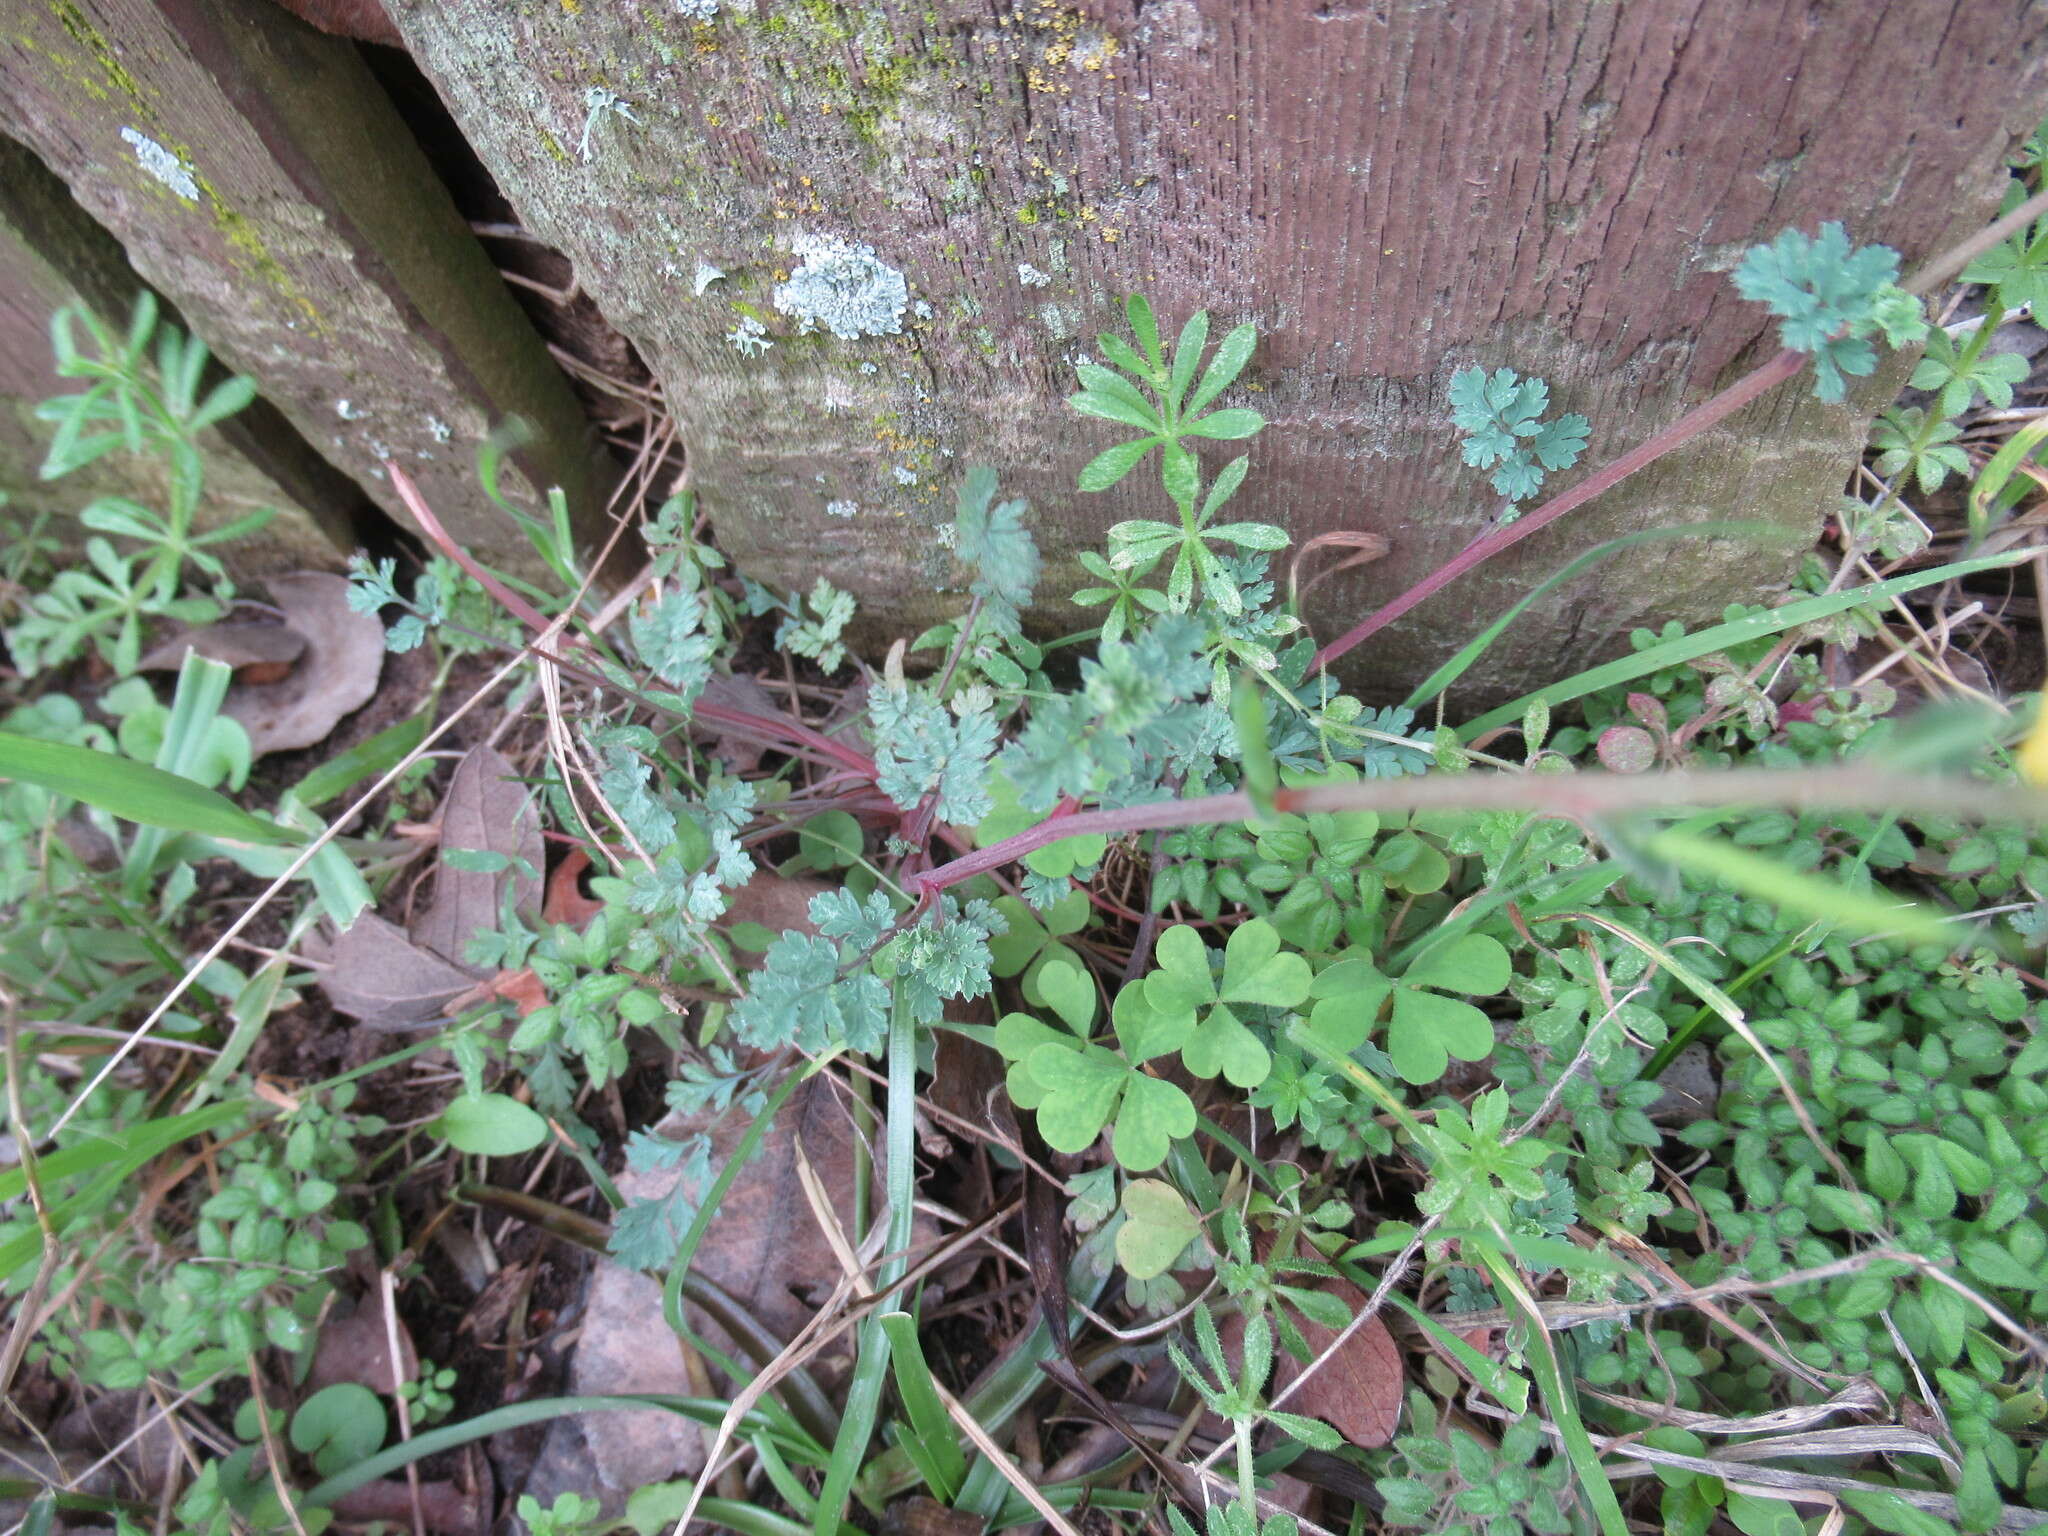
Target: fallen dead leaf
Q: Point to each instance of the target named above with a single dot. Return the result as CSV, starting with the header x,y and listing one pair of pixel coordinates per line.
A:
x,y
486,810
776,902
357,1348
1359,1388
764,1248
335,674
565,901
521,988
259,653
382,979
738,750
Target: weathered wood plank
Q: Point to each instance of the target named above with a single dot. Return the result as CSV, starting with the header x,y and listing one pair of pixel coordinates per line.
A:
x,y
260,179
52,255
1393,190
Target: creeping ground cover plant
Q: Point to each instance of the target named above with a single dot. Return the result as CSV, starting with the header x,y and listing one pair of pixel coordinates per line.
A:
x,y
1625,1107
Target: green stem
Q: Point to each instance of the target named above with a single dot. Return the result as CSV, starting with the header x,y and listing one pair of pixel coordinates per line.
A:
x,y
516,1416
1247,1474
871,1369
1558,1394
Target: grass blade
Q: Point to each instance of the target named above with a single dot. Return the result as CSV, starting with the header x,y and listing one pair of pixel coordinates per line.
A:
x,y
134,791
930,1439
1482,642
1721,636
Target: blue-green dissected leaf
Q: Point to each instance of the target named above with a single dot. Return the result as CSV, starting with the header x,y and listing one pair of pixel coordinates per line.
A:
x,y
991,537
1827,297
921,747
672,643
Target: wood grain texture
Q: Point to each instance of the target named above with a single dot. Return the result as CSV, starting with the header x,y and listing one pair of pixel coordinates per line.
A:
x,y
260,180
1393,189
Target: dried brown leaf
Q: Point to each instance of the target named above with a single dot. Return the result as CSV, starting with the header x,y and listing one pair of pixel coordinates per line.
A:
x,y
385,981
357,1348
487,810
259,653
1359,1388
335,675
565,902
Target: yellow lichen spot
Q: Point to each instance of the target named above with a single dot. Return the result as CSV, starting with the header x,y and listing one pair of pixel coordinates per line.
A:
x,y
1109,236
804,181
713,120
1094,57
572,7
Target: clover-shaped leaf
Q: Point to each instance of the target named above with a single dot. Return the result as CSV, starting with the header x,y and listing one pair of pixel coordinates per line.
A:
x,y
1065,987
1349,998
1429,1028
1077,1088
1078,1091
1425,1028
1157,1226
1017,1036
1184,989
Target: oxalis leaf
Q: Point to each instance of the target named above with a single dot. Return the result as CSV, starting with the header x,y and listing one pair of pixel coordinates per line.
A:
x,y
1077,1089
1425,1028
1157,1226
1184,996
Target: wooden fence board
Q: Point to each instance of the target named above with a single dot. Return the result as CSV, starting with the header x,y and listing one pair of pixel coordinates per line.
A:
x,y
53,255
261,180
1393,191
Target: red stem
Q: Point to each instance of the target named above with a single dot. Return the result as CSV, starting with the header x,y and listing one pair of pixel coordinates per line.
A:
x,y
1852,786
1681,431
774,728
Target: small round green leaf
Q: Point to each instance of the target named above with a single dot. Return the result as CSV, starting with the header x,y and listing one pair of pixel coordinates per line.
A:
x,y
491,1125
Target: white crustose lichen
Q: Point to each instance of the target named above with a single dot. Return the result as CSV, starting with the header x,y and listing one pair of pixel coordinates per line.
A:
x,y
841,287
162,164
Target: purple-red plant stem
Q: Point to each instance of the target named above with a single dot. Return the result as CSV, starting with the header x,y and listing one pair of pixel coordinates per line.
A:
x,y
1848,787
774,727
1695,421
